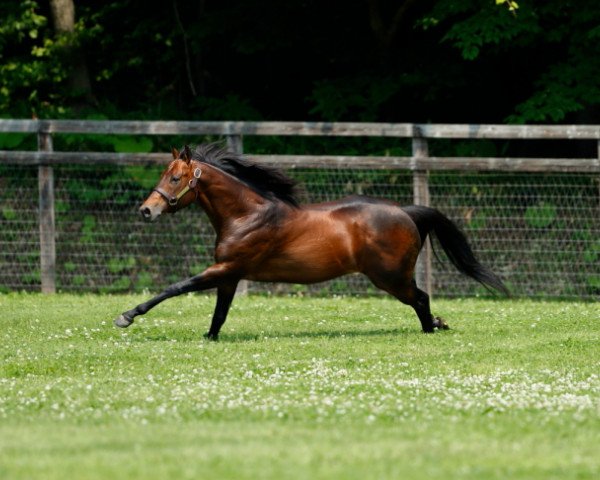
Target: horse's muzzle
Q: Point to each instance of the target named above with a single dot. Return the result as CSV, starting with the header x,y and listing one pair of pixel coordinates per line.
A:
x,y
149,214
146,213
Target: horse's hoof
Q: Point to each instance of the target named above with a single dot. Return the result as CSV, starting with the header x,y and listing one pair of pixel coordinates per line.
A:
x,y
122,321
439,323
211,337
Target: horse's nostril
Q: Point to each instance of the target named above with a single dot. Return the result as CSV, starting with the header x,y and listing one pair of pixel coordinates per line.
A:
x,y
145,211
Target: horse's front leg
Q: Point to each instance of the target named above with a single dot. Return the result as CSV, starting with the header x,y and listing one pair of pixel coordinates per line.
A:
x,y
225,294
214,276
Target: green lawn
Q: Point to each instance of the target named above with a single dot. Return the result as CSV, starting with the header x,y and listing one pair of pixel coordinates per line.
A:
x,y
298,388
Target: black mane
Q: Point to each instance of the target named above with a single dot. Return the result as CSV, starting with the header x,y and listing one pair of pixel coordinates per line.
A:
x,y
269,182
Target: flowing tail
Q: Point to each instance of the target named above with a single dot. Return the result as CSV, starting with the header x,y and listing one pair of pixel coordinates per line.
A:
x,y
455,244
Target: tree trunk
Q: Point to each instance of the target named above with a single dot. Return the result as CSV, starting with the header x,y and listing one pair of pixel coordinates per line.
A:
x,y
385,31
63,16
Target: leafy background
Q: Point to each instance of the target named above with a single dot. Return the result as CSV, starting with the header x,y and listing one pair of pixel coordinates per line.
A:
x,y
386,60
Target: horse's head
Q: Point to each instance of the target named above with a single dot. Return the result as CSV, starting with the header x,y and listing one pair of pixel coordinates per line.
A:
x,y
176,187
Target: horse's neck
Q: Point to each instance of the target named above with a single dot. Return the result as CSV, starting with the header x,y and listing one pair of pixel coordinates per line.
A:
x,y
224,198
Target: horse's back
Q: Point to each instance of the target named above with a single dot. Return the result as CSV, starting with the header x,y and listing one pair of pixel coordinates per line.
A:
x,y
357,201
375,215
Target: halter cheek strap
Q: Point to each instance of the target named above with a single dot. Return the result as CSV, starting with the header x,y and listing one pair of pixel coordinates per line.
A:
x,y
173,200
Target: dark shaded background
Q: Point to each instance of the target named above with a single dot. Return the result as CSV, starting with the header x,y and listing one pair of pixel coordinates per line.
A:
x,y
368,60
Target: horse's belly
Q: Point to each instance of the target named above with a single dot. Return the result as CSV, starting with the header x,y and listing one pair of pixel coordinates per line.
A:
x,y
307,266
297,275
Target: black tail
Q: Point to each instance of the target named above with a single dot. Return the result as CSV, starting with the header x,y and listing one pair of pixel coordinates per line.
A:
x,y
455,245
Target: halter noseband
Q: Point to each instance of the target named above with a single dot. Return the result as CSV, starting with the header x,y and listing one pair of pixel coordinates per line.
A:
x,y
172,200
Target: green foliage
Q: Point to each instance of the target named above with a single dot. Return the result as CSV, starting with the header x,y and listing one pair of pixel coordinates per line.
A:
x,y
449,60
477,220
31,63
592,254
123,284
127,143
486,26
566,88
31,278
144,281
9,213
225,108
78,280
10,141
357,99
87,229
561,87
70,267
510,4
143,176
540,215
118,264
594,282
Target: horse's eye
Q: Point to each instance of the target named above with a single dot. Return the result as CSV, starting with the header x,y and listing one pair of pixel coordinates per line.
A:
x,y
175,179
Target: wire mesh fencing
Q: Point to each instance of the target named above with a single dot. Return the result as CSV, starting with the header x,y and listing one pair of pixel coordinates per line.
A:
x,y
539,231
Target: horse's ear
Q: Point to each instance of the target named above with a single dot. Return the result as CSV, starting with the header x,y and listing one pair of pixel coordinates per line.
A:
x,y
175,153
187,153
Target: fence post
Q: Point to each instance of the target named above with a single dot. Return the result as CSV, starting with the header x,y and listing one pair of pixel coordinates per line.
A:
x,y
421,197
46,218
235,143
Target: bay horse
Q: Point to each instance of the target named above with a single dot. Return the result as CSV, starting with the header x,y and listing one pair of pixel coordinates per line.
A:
x,y
265,235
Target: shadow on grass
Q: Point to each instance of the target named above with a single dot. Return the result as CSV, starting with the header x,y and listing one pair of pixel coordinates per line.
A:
x,y
382,332
187,335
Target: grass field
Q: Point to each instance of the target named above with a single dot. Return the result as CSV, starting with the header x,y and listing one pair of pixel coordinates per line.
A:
x,y
298,388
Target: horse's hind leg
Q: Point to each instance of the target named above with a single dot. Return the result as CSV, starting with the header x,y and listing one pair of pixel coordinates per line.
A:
x,y
421,306
408,293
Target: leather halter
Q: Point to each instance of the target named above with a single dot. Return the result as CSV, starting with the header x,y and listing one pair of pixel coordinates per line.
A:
x,y
172,200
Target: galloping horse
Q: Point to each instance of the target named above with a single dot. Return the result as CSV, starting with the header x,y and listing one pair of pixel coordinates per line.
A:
x,y
264,235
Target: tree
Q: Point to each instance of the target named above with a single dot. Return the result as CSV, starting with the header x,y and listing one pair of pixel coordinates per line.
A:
x,y
377,60
63,16
385,32
42,72
556,42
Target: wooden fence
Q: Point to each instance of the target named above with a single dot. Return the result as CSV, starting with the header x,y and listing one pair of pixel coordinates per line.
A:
x,y
420,163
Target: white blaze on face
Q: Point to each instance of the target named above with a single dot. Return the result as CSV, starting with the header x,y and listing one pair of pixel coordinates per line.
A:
x,y
155,205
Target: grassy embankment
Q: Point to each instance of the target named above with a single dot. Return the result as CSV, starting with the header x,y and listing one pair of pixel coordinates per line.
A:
x,y
298,388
